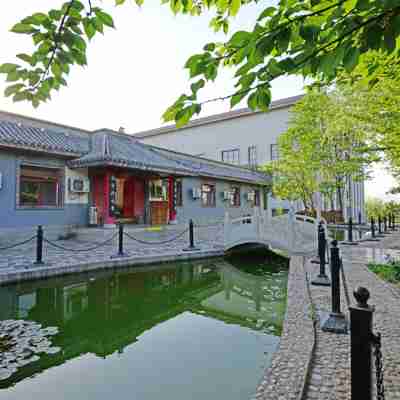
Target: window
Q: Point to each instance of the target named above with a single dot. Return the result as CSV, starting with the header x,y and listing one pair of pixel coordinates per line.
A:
x,y
235,196
158,190
252,156
208,195
40,187
231,156
178,193
274,152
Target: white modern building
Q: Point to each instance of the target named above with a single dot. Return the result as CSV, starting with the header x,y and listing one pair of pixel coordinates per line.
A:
x,y
243,137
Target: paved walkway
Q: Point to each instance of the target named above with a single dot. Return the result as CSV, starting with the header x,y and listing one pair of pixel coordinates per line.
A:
x,y
164,245
325,355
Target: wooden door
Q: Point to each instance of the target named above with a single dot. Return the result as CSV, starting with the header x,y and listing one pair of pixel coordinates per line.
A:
x,y
159,212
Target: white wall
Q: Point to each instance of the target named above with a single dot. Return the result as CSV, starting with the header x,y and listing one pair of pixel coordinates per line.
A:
x,y
260,129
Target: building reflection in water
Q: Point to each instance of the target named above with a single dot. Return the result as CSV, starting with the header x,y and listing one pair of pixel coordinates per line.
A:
x,y
107,311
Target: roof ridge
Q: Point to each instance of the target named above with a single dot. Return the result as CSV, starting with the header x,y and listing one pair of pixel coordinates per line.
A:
x,y
219,117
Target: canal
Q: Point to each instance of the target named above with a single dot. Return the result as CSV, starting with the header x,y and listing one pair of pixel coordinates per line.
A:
x,y
204,330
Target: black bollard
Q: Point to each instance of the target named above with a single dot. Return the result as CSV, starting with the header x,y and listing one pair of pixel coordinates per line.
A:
x,y
121,252
191,247
394,222
385,225
389,221
350,234
380,225
322,279
361,349
39,246
359,218
335,321
317,260
373,233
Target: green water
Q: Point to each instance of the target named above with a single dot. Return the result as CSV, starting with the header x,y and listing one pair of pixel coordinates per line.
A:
x,y
196,331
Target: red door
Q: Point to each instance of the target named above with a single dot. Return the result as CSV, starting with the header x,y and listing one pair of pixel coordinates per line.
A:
x,y
129,198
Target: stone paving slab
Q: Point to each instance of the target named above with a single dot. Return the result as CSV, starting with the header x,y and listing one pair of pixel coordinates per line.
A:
x,y
329,370
161,246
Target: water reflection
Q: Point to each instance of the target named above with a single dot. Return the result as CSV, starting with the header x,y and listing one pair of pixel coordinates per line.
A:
x,y
108,313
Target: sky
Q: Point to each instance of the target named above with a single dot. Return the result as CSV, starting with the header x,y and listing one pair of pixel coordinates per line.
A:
x,y
136,71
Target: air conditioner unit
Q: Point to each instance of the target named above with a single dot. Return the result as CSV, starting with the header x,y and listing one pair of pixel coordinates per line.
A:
x,y
196,193
79,185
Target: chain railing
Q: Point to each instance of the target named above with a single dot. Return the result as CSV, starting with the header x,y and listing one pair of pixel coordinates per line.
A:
x,y
380,387
345,287
14,245
158,242
80,250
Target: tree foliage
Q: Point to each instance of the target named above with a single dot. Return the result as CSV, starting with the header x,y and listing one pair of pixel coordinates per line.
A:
x,y
314,38
326,143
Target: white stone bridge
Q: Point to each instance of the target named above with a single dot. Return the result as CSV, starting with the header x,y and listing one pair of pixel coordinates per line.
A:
x,y
290,233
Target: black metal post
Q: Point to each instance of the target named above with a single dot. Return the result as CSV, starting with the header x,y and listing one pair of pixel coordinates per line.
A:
x,y
191,247
322,279
316,260
335,322
379,225
385,224
350,234
39,246
361,349
372,227
350,238
121,252
359,218
394,222
389,221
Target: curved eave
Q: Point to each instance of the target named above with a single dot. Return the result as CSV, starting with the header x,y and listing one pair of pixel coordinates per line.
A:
x,y
38,149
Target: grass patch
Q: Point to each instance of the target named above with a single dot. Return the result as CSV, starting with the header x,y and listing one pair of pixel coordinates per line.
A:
x,y
389,272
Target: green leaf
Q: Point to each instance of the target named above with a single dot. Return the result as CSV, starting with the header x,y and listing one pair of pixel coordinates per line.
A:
x,y
234,7
105,18
8,67
10,90
351,58
39,18
23,28
266,13
13,76
98,24
119,2
56,69
252,101
25,57
20,96
239,39
89,28
55,14
237,98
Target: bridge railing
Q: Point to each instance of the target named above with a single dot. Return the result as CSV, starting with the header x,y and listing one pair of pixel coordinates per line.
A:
x,y
290,232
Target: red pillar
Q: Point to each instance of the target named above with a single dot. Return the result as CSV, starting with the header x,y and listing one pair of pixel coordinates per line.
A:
x,y
171,201
108,219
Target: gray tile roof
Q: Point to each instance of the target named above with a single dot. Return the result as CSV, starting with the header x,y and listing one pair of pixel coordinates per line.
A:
x,y
17,134
108,148
116,149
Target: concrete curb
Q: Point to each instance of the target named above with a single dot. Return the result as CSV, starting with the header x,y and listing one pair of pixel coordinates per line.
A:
x,y
32,272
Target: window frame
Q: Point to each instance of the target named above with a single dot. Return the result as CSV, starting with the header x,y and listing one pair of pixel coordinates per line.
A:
x,y
274,151
252,156
213,202
235,199
60,194
178,193
233,152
